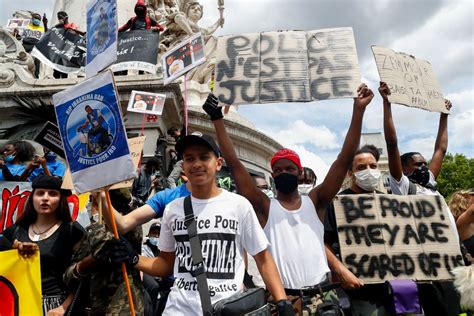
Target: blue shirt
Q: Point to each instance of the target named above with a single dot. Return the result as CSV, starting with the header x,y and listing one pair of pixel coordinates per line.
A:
x,y
16,170
159,201
56,167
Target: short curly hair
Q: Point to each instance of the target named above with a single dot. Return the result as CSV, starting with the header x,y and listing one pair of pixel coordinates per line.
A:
x,y
459,202
24,150
367,149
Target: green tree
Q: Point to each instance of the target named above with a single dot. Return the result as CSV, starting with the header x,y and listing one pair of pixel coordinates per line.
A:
x,y
457,173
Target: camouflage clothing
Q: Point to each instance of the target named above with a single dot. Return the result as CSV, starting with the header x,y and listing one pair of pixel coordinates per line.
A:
x,y
108,295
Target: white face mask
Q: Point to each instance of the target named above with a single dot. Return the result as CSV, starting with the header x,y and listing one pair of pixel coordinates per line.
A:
x,y
155,241
367,179
304,189
269,193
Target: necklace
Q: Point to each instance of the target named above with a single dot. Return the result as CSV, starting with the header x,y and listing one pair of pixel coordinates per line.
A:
x,y
37,236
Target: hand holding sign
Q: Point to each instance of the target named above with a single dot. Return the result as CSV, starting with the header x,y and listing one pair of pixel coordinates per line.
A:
x,y
364,96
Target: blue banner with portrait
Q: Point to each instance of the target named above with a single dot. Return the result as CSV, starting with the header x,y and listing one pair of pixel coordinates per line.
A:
x,y
93,133
101,35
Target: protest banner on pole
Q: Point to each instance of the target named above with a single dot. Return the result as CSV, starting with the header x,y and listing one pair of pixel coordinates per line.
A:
x,y
183,57
13,196
49,137
20,284
411,81
101,35
384,237
61,49
93,133
136,146
291,66
146,102
137,50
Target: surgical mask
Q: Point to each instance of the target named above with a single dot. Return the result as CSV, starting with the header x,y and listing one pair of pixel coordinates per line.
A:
x,y
36,21
286,182
50,156
304,189
9,158
268,193
154,241
367,179
420,176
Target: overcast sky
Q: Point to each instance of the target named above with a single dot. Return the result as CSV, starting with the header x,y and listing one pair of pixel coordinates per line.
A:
x,y
440,31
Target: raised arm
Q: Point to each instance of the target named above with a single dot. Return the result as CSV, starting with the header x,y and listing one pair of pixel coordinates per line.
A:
x,y
394,162
323,194
126,223
441,145
243,181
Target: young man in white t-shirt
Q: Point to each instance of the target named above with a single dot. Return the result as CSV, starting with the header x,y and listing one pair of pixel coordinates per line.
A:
x,y
226,225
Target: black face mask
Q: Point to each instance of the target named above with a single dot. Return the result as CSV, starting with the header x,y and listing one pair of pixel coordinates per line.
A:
x,y
286,182
420,176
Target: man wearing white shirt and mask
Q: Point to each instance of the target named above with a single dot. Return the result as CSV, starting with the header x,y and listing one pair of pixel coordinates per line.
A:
x,y
306,181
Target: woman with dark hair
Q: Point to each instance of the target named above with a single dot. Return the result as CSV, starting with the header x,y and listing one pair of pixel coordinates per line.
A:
x,y
46,225
15,154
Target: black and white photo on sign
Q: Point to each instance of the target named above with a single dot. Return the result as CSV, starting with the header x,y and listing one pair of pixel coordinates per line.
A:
x,y
183,57
146,102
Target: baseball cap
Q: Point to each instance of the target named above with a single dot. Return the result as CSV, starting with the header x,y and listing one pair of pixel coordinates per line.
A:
x,y
286,153
49,182
155,226
197,138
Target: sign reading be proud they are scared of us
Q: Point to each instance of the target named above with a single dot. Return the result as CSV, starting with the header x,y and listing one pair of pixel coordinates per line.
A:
x,y
386,237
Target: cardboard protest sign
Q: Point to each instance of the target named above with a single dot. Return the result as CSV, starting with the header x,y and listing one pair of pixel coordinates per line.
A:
x,y
20,285
291,66
384,237
137,50
146,102
136,147
183,57
61,49
49,137
412,81
101,35
13,196
93,133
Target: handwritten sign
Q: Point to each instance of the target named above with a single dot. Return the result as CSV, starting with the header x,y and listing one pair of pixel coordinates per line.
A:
x,y
291,66
411,81
183,57
136,147
386,237
137,50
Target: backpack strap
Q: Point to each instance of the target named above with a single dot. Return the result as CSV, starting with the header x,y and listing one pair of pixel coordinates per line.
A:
x,y
411,188
199,270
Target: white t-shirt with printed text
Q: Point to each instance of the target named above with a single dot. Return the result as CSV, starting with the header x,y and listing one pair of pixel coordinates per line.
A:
x,y
226,226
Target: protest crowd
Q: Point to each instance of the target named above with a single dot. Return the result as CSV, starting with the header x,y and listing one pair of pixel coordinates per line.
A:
x,y
200,231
